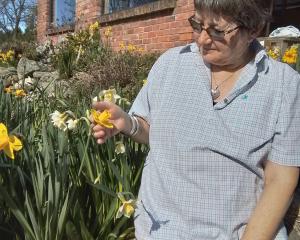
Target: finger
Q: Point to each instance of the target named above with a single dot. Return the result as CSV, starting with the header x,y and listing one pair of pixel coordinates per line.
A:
x,y
100,134
101,106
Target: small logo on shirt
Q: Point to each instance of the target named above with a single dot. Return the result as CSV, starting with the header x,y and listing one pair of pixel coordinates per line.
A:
x,y
245,97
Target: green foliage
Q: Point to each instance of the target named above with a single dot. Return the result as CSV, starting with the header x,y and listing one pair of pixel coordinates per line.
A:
x,y
62,185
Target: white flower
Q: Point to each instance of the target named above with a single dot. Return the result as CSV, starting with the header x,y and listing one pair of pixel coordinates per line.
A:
x,y
72,124
95,99
127,208
120,148
58,120
109,95
28,81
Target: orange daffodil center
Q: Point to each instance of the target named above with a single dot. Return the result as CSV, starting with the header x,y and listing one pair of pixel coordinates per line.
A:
x,y
102,118
9,143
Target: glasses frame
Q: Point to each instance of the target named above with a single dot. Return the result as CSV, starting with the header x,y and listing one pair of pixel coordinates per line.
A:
x,y
198,28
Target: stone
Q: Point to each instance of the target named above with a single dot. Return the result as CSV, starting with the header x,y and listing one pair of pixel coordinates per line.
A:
x,y
27,67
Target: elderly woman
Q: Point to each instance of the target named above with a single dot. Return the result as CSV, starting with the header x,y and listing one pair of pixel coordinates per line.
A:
x,y
223,123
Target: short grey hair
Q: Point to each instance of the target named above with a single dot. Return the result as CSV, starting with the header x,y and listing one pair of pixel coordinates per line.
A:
x,y
251,14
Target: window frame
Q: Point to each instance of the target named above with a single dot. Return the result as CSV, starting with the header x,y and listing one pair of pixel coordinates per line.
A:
x,y
147,8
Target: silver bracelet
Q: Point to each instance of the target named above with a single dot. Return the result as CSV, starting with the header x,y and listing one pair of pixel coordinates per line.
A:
x,y
135,125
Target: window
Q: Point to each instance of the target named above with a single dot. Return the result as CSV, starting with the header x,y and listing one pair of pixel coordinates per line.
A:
x,y
117,5
63,12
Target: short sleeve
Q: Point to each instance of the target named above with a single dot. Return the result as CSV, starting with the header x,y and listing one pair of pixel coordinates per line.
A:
x,y
285,148
145,98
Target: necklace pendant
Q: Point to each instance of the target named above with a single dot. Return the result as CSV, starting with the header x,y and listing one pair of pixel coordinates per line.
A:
x,y
215,93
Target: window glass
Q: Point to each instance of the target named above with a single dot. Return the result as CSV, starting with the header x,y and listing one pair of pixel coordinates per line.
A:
x,y
64,12
117,5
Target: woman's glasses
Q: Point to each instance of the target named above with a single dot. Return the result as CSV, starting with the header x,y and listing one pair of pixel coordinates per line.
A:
x,y
213,33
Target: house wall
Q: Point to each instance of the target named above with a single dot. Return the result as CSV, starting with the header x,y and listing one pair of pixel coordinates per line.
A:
x,y
153,27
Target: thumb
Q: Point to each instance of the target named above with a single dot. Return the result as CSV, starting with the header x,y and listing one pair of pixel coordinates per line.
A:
x,y
101,106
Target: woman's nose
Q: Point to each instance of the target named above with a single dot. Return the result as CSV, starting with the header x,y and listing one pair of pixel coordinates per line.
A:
x,y
203,37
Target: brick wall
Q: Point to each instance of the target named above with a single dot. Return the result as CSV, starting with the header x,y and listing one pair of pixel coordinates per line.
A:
x,y
153,27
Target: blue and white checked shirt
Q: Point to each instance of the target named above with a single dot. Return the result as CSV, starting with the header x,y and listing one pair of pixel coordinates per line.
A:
x,y
203,175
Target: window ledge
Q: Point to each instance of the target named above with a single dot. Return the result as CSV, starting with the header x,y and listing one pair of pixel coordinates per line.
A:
x,y
60,30
138,11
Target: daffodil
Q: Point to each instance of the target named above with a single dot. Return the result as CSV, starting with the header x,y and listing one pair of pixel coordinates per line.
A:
x,y
94,27
72,124
109,95
290,55
8,89
59,120
145,81
20,93
107,32
274,53
9,143
120,147
122,45
131,48
127,208
102,118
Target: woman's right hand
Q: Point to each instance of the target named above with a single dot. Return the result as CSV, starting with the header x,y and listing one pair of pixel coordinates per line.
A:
x,y
119,118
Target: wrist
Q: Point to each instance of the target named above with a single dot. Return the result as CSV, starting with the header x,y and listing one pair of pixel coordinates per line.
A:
x,y
131,125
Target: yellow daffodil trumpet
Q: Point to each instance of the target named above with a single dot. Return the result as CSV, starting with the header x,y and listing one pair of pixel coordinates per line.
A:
x,y
102,118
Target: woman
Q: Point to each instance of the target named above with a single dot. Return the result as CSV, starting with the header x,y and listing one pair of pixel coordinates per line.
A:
x,y
223,123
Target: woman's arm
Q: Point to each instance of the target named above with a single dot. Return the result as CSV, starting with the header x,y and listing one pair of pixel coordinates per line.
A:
x,y
280,184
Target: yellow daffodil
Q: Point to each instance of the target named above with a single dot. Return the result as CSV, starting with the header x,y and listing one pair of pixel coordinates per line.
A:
x,y
94,27
109,95
9,143
120,148
108,32
274,53
59,120
122,45
20,93
8,89
145,81
131,48
102,118
127,208
290,55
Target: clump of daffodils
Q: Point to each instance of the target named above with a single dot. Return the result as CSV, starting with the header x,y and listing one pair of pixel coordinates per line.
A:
x,y
65,120
274,52
17,92
6,57
9,143
130,47
128,206
290,55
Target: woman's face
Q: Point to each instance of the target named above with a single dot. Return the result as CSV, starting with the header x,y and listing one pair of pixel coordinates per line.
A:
x,y
221,51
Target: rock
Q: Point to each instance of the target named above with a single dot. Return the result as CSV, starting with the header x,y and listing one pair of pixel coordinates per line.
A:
x,y
8,75
26,67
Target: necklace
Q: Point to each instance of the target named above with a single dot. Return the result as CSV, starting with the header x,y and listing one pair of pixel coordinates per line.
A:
x,y
215,92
